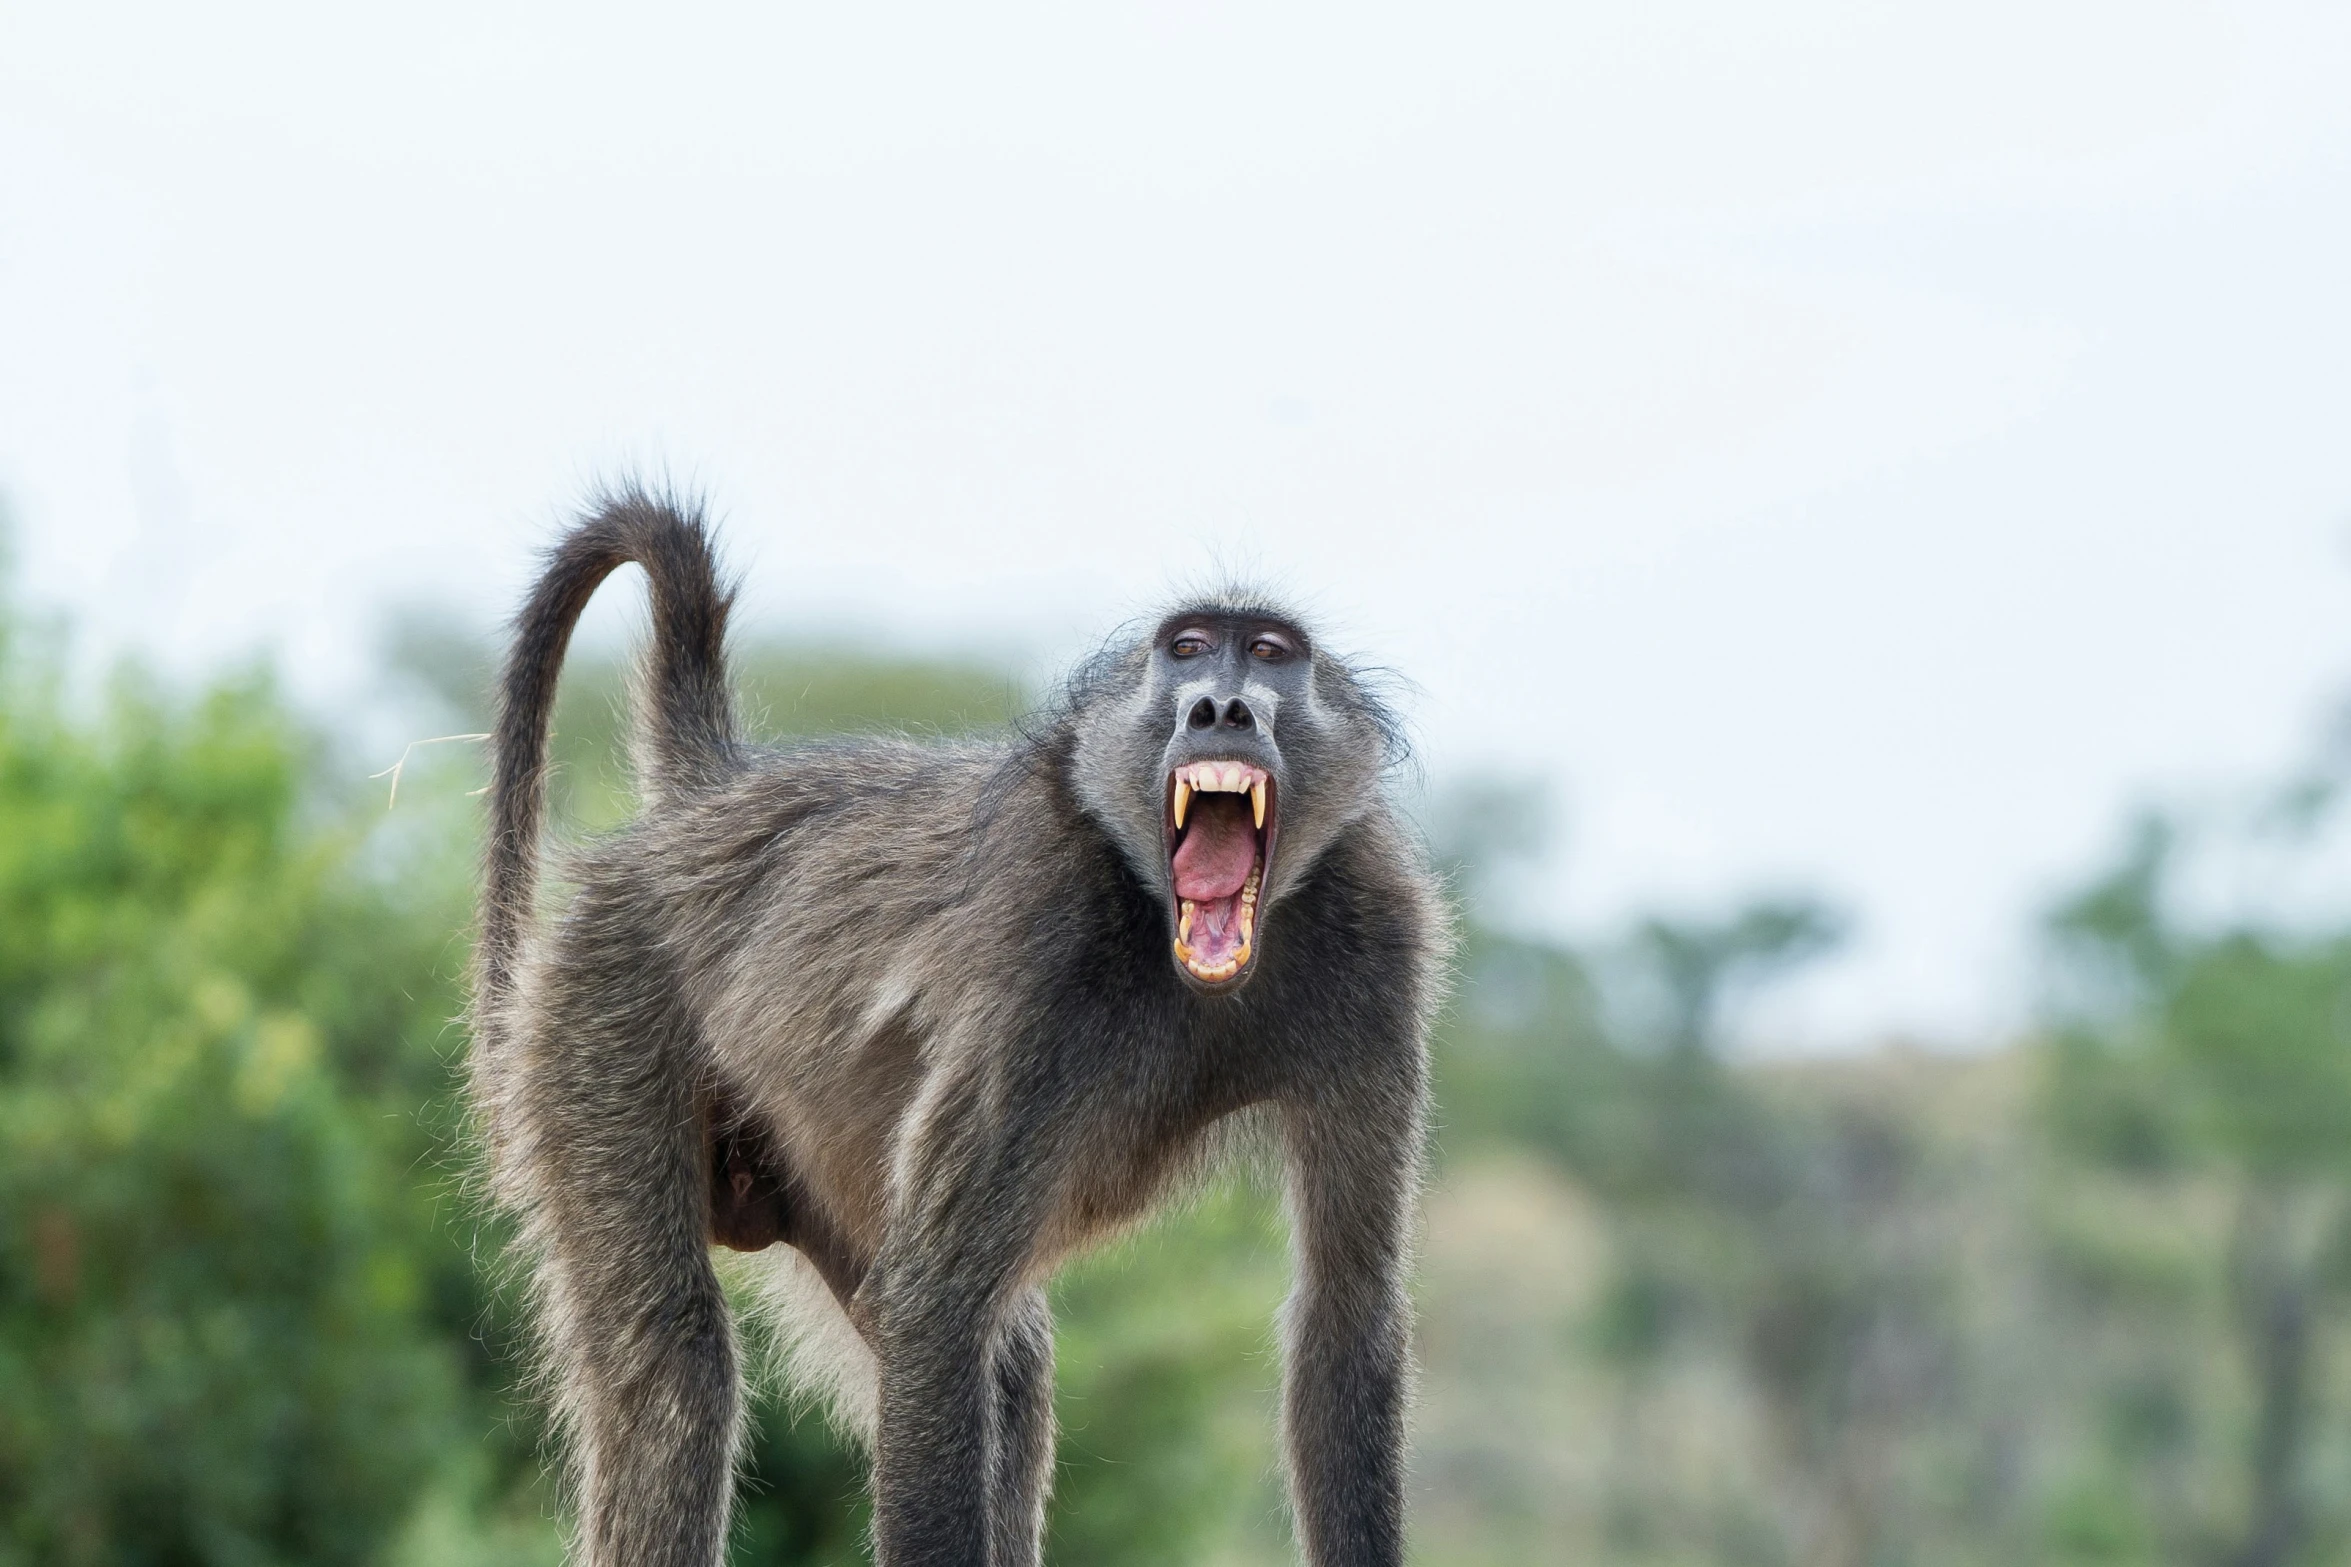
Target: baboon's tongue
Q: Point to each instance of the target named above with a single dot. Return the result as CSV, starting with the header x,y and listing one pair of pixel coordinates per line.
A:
x,y
1220,844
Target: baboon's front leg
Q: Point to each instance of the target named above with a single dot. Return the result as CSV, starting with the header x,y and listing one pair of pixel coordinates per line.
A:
x,y
1021,1441
1354,1169
951,1322
933,1470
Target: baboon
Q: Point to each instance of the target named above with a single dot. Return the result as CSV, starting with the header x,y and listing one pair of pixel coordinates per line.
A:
x,y
919,1021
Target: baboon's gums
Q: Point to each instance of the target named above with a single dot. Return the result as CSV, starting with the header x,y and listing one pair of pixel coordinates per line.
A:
x,y
933,1018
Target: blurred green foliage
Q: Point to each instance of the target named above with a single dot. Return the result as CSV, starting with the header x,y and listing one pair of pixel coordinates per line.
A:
x,y
2209,1068
230,1327
2081,1300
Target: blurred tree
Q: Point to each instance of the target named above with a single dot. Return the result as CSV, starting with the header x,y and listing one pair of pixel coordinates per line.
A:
x,y
1799,1225
1786,1223
1703,965
2187,1055
222,1335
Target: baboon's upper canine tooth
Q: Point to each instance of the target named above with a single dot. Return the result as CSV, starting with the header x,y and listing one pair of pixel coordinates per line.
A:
x,y
1183,797
1257,800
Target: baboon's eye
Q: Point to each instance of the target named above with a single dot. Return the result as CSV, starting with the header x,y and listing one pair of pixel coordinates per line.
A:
x,y
1272,649
1190,644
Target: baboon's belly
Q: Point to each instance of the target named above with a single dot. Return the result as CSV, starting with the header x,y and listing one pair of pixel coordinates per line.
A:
x,y
837,1124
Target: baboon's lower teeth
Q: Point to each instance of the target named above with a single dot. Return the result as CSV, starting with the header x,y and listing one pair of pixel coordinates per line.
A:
x,y
1222,821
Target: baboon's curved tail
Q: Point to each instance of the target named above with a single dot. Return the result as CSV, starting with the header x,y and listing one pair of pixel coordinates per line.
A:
x,y
688,725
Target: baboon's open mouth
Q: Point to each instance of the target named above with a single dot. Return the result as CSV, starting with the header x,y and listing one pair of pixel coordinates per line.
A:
x,y
1220,840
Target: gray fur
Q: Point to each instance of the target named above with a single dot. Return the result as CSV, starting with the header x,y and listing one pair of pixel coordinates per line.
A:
x,y
912,1011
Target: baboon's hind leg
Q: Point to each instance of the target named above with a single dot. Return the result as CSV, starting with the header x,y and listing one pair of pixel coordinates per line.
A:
x,y
637,1326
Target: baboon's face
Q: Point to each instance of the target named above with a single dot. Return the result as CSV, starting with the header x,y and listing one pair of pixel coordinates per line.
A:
x,y
1235,762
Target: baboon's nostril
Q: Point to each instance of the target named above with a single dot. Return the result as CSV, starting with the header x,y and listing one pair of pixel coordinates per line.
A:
x,y
1238,716
1203,714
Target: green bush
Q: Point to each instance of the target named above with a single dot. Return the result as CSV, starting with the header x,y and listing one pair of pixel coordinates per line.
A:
x,y
225,1298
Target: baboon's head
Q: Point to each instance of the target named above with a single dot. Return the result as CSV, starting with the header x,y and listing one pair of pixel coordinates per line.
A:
x,y
1225,752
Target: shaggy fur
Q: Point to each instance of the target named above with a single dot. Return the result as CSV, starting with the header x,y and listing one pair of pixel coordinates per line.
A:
x,y
911,1012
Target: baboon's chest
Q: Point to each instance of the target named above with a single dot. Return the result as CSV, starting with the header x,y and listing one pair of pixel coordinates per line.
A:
x,y
1135,1154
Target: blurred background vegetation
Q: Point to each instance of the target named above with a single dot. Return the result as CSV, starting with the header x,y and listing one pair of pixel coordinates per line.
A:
x,y
2078,1298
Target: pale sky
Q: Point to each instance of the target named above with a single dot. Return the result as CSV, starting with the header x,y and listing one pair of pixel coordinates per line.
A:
x,y
1848,446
